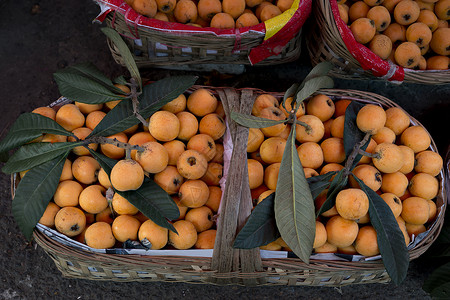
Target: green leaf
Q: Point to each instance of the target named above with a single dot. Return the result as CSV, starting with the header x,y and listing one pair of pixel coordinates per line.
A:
x,y
313,85
252,121
294,205
437,278
154,96
442,291
317,184
260,228
4,156
27,127
290,93
150,198
154,203
389,236
120,80
83,89
31,155
125,52
34,192
321,69
90,71
339,182
352,134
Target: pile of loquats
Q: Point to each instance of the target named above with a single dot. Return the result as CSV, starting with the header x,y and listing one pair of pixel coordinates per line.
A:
x,y
223,14
403,169
413,34
182,153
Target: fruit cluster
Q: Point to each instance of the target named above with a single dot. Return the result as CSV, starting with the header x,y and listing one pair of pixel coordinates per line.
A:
x,y
398,165
182,153
211,13
411,33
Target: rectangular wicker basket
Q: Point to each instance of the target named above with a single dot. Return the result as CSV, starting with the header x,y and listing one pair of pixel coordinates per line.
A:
x,y
157,43
245,267
331,40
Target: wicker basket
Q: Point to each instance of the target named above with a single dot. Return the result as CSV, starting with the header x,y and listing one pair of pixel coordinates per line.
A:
x,y
76,263
156,43
331,40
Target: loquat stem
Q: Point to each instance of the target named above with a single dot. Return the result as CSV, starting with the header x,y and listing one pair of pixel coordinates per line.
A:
x,y
115,142
135,102
365,153
128,153
307,127
109,197
355,152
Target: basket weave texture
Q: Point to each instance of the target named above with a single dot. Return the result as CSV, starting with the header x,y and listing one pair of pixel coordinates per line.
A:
x,y
82,264
155,43
331,40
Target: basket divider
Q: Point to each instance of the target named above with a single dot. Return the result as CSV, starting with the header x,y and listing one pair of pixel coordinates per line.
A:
x,y
250,258
235,211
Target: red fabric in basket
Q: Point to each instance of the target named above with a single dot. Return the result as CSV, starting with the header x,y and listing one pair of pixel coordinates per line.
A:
x,y
366,58
271,46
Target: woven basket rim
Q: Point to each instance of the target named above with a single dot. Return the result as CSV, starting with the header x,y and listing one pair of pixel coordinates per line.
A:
x,y
331,39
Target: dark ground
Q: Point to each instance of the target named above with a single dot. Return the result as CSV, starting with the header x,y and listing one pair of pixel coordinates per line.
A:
x,y
38,38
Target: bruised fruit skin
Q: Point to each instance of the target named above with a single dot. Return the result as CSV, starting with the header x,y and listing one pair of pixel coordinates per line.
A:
x,y
368,174
70,221
169,180
363,30
192,164
200,217
321,106
394,202
204,144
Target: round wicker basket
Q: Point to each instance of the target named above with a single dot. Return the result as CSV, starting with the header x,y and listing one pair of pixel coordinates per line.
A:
x,y
155,43
76,263
325,42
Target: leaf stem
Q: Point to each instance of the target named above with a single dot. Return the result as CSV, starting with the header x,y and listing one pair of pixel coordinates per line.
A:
x,y
134,99
114,141
355,152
